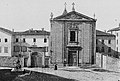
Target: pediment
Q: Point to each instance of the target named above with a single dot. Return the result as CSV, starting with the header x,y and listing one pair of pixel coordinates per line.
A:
x,y
74,15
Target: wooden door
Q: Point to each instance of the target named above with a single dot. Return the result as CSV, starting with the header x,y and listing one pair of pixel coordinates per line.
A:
x,y
72,58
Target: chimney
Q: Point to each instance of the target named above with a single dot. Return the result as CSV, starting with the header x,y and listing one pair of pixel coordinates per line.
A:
x,y
42,29
31,28
105,31
12,30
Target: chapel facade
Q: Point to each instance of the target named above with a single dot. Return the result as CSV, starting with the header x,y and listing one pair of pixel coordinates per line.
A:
x,y
72,39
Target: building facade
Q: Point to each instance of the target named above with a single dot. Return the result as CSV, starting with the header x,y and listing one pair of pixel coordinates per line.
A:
x,y
72,39
5,42
116,32
106,44
34,42
31,46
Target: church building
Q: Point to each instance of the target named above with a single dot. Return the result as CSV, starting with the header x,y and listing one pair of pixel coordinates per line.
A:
x,y
72,39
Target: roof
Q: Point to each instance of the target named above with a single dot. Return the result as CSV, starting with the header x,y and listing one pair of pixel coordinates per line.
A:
x,y
28,32
76,16
101,33
114,29
33,32
6,30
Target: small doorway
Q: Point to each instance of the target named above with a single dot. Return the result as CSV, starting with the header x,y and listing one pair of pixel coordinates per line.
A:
x,y
25,62
34,59
72,58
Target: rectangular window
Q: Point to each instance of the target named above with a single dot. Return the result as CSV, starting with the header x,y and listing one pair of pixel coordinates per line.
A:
x,y
109,41
117,34
16,40
102,41
96,41
97,49
45,40
102,50
34,39
51,43
117,41
16,48
109,49
6,40
72,36
117,48
5,49
24,40
24,49
0,49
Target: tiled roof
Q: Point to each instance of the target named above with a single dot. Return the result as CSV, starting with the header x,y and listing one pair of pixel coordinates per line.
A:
x,y
28,32
101,33
114,29
33,32
6,30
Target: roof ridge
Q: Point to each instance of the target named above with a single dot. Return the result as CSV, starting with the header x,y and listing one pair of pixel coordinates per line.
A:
x,y
6,30
98,32
114,29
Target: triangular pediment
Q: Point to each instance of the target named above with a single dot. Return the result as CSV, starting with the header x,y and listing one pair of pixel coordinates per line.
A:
x,y
74,15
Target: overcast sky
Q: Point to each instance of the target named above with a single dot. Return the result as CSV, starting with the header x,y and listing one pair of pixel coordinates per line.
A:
x,y
25,14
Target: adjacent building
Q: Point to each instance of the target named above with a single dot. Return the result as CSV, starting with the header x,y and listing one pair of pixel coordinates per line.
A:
x,y
106,55
116,32
6,39
72,39
31,46
106,44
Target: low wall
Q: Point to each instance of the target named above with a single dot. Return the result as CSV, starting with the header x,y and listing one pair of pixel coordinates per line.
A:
x,y
112,64
106,62
98,59
6,61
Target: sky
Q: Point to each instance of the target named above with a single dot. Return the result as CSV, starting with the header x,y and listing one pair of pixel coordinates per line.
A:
x,y
22,15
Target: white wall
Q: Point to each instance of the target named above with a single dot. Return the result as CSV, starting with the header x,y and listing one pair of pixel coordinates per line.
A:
x,y
39,40
3,44
106,44
117,38
109,63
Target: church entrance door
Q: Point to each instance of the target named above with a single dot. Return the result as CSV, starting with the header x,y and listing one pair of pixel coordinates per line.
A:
x,y
72,58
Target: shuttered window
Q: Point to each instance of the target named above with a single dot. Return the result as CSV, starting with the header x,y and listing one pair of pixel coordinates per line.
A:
x,y
5,49
16,49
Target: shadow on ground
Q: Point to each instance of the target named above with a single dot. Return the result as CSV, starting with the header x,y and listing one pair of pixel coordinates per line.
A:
x,y
104,70
7,75
37,76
